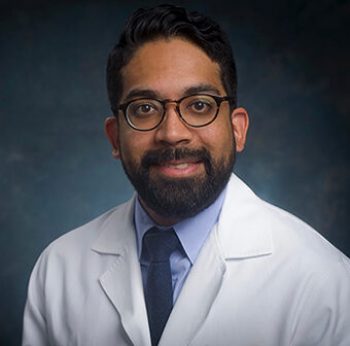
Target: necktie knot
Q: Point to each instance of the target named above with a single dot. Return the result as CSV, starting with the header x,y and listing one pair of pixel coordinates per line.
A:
x,y
160,244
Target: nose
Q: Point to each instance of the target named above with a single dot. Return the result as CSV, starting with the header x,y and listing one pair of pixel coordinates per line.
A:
x,y
172,130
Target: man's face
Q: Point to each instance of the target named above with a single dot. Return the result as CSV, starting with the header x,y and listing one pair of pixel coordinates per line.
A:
x,y
177,170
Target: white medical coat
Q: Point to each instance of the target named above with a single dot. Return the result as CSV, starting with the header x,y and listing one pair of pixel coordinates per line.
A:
x,y
262,278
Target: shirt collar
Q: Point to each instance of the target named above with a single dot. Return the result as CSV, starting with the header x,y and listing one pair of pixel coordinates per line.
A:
x,y
192,232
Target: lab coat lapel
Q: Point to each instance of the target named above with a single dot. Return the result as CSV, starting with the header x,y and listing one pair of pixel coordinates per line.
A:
x,y
197,296
122,281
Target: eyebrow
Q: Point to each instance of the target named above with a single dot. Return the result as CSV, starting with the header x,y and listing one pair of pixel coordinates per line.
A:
x,y
201,88
149,93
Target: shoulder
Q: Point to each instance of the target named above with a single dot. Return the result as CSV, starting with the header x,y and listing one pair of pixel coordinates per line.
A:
x,y
291,240
77,244
87,233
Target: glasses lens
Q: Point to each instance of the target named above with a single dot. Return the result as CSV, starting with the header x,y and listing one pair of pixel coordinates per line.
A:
x,y
198,110
144,114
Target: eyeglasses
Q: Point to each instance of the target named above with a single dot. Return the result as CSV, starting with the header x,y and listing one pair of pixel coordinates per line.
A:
x,y
145,114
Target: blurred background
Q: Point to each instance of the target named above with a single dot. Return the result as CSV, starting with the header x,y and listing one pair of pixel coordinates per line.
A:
x,y
56,168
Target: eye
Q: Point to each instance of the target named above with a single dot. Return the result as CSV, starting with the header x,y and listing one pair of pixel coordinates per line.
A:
x,y
143,108
200,106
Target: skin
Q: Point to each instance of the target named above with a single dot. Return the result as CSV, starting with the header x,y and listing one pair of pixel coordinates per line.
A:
x,y
168,69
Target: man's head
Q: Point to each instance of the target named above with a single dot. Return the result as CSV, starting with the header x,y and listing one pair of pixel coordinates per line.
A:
x,y
181,163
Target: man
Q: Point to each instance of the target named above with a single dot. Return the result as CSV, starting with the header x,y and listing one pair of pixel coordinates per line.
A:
x,y
194,258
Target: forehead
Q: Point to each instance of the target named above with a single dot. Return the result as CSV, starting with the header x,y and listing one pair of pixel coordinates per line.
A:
x,y
169,67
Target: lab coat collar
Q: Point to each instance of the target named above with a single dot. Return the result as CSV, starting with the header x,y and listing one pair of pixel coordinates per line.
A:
x,y
244,228
116,235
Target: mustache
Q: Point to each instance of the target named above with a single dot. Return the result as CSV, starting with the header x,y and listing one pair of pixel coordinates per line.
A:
x,y
160,156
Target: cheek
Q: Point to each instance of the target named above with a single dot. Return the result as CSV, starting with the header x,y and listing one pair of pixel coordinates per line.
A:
x,y
219,137
133,145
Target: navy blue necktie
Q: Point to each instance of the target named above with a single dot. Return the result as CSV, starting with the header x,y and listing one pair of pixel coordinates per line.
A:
x,y
158,246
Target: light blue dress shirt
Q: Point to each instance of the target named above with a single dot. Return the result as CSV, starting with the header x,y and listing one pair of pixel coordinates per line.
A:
x,y
192,233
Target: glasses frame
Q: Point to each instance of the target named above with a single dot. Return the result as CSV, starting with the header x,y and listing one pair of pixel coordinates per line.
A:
x,y
218,100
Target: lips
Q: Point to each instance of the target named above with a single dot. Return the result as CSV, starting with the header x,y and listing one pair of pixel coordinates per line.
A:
x,y
178,164
178,169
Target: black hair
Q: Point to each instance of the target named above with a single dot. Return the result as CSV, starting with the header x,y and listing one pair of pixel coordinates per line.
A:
x,y
167,21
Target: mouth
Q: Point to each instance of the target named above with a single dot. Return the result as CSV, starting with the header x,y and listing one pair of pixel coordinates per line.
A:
x,y
178,168
177,162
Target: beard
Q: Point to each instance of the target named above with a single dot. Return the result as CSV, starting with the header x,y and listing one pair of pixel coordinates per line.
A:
x,y
180,198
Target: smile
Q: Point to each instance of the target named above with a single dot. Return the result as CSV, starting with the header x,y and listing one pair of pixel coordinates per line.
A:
x,y
178,168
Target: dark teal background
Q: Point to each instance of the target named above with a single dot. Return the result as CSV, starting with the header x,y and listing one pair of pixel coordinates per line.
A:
x,y
56,169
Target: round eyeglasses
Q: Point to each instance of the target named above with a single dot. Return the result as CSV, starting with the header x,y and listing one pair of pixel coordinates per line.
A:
x,y
145,114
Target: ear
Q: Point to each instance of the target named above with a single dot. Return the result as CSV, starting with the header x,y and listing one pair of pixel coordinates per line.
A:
x,y
240,124
111,130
